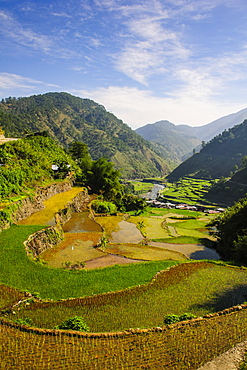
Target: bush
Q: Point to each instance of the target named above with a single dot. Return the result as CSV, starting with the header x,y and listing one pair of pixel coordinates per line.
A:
x,y
25,321
171,319
186,316
104,207
73,323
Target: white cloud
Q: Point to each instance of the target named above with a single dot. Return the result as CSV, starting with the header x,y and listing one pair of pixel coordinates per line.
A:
x,y
10,81
49,45
140,107
12,29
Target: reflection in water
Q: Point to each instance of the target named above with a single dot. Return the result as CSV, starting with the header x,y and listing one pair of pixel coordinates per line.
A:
x,y
126,233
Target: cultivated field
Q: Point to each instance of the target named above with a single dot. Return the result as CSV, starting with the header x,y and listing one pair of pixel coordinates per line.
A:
x,y
114,299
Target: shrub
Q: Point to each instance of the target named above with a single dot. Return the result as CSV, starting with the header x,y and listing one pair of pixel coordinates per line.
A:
x,y
104,207
73,323
171,319
25,321
186,316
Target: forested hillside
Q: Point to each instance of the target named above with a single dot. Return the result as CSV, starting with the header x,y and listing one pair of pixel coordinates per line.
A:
x,y
177,141
232,235
222,156
67,118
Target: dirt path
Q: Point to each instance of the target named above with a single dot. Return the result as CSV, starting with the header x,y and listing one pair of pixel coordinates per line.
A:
x,y
229,360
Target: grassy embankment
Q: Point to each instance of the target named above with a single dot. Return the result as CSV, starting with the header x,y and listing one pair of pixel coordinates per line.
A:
x,y
196,287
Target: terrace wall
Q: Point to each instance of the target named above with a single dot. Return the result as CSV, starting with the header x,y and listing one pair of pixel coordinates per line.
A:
x,y
185,345
53,235
29,205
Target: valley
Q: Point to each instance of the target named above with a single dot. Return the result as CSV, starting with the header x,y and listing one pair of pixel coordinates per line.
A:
x,y
107,229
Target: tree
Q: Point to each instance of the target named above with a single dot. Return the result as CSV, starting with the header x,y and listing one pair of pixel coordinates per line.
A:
x,y
78,150
244,161
232,231
103,179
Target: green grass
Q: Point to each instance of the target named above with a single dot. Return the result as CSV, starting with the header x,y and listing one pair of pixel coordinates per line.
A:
x,y
198,288
152,211
142,187
17,270
180,240
187,190
190,227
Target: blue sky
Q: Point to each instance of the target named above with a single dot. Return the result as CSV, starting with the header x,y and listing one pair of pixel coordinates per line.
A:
x,y
179,60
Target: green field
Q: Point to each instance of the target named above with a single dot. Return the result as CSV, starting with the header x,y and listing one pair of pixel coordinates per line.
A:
x,y
197,287
17,270
187,190
175,226
117,298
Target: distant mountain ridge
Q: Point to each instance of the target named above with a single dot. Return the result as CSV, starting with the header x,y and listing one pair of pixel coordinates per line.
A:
x,y
212,129
68,118
181,140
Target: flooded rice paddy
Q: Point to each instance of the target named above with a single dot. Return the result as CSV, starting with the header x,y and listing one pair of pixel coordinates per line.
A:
x,y
82,235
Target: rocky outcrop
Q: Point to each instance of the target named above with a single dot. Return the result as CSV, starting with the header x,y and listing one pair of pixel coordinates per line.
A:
x,y
43,239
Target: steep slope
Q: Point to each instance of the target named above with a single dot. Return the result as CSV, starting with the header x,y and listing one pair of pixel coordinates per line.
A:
x,y
207,132
67,118
218,158
178,141
240,177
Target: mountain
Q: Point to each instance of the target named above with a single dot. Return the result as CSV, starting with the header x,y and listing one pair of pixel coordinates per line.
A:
x,y
178,141
207,132
68,118
220,157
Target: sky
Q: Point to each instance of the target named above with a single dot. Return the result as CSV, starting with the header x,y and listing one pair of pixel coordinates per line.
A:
x,y
184,61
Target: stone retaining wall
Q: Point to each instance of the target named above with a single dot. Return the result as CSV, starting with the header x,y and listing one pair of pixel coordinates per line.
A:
x,y
30,205
53,235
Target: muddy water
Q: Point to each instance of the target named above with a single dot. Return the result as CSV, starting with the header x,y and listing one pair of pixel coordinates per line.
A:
x,y
81,223
81,236
120,231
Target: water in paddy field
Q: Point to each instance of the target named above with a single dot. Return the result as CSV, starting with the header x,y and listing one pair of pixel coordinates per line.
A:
x,y
81,223
81,236
126,232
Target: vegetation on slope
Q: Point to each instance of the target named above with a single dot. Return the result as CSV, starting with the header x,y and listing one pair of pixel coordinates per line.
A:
x,y
177,141
221,156
68,118
232,233
28,162
212,288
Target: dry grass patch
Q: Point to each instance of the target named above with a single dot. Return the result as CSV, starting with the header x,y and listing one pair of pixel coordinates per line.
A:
x,y
52,205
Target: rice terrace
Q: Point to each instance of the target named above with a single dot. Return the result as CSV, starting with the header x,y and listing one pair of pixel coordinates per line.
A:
x,y
123,274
